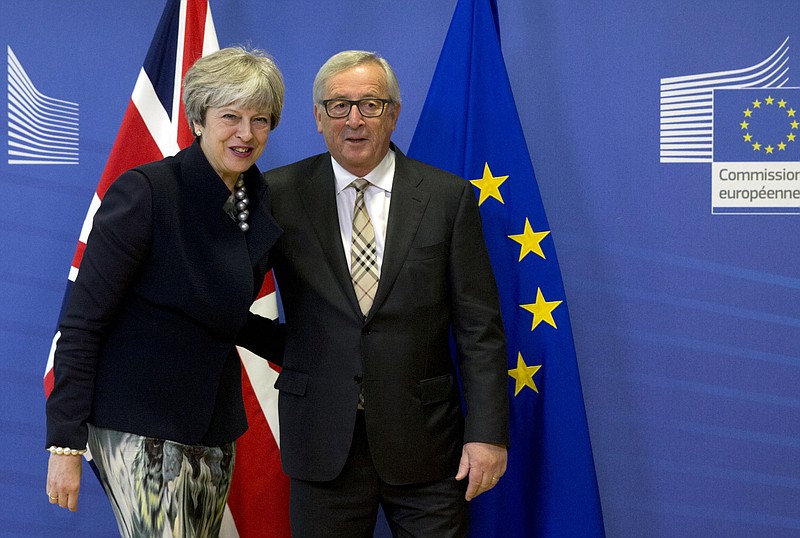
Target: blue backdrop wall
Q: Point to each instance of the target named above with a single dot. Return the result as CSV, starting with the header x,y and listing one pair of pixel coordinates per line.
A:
x,y
686,313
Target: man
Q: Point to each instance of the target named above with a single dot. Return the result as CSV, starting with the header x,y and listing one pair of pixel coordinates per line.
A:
x,y
374,277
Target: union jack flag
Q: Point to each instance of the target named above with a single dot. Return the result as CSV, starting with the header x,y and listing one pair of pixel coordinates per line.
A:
x,y
154,127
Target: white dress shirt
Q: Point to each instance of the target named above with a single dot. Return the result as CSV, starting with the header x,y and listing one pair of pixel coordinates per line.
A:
x,y
377,198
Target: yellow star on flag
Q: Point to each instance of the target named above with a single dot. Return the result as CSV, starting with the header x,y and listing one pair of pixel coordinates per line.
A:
x,y
769,100
529,241
489,185
523,375
542,310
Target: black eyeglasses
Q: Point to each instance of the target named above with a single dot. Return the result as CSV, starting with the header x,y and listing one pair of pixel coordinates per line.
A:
x,y
369,108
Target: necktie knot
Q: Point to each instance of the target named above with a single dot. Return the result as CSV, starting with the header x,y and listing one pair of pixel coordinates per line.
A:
x,y
360,184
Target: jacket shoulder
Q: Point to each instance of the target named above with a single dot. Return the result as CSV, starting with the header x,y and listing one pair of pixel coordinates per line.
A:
x,y
430,178
160,171
288,173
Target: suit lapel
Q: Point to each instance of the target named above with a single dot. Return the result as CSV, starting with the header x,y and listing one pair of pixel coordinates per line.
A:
x,y
405,214
318,195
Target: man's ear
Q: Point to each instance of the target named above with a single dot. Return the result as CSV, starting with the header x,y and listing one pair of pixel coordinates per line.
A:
x,y
396,113
318,117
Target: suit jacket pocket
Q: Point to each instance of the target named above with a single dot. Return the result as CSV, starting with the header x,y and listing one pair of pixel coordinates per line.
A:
x,y
428,252
292,382
436,389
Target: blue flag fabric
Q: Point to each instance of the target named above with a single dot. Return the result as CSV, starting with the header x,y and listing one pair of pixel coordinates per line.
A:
x,y
469,126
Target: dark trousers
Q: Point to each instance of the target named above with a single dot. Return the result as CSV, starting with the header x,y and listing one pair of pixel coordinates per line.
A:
x,y
347,507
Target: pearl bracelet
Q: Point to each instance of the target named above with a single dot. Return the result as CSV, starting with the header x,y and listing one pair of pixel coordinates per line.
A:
x,y
60,450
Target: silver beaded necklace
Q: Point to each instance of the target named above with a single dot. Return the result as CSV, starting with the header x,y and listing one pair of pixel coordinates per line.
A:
x,y
241,203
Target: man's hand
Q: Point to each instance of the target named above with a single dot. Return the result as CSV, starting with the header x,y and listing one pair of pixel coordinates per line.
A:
x,y
485,464
64,480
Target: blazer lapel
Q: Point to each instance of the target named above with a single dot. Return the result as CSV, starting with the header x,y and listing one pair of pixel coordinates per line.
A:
x,y
264,230
405,213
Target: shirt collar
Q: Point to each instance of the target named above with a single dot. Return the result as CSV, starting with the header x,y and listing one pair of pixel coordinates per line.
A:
x,y
381,176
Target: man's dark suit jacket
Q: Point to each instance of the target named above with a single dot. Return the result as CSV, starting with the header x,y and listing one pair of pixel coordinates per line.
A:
x,y
147,338
435,277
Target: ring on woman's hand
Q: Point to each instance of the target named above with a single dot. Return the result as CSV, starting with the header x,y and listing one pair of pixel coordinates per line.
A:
x,y
52,498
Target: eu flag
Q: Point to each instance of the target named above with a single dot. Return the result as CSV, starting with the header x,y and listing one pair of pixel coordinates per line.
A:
x,y
469,126
757,125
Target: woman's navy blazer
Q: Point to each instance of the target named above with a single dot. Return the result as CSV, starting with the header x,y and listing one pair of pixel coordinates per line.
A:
x,y
146,343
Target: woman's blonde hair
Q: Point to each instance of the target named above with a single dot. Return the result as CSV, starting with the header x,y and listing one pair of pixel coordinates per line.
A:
x,y
249,78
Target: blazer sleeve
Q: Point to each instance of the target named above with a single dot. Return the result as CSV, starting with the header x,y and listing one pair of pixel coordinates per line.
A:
x,y
264,337
478,328
115,250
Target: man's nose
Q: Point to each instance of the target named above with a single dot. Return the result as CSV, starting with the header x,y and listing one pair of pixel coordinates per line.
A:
x,y
354,118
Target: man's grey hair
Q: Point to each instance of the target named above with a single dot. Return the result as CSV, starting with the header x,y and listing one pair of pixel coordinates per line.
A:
x,y
343,61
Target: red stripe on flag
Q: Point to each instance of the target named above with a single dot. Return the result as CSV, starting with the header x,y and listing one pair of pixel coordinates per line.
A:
x,y
49,380
259,497
268,286
134,146
193,49
76,259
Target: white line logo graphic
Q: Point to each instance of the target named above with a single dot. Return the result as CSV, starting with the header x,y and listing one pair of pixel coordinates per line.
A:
x,y
41,129
687,105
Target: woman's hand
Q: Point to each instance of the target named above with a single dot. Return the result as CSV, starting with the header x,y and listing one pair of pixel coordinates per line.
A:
x,y
64,480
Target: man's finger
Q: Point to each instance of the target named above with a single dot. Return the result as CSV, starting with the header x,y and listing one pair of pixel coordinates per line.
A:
x,y
463,467
72,504
473,489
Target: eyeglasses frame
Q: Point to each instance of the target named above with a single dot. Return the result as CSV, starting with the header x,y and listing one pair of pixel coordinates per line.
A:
x,y
355,103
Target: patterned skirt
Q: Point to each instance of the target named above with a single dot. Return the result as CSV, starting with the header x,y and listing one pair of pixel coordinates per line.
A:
x,y
162,489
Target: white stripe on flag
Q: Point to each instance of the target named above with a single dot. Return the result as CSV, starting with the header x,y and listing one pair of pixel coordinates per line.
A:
x,y
210,43
262,379
228,528
52,352
89,219
154,116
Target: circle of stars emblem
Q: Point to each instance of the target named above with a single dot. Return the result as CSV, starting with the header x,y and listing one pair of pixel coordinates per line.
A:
x,y
760,107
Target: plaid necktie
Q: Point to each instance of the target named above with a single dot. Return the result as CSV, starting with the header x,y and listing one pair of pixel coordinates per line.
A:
x,y
364,256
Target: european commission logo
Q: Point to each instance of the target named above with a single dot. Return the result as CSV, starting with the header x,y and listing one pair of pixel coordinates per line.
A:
x,y
746,123
41,129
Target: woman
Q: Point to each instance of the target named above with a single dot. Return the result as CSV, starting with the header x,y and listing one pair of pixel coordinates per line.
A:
x,y
145,365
